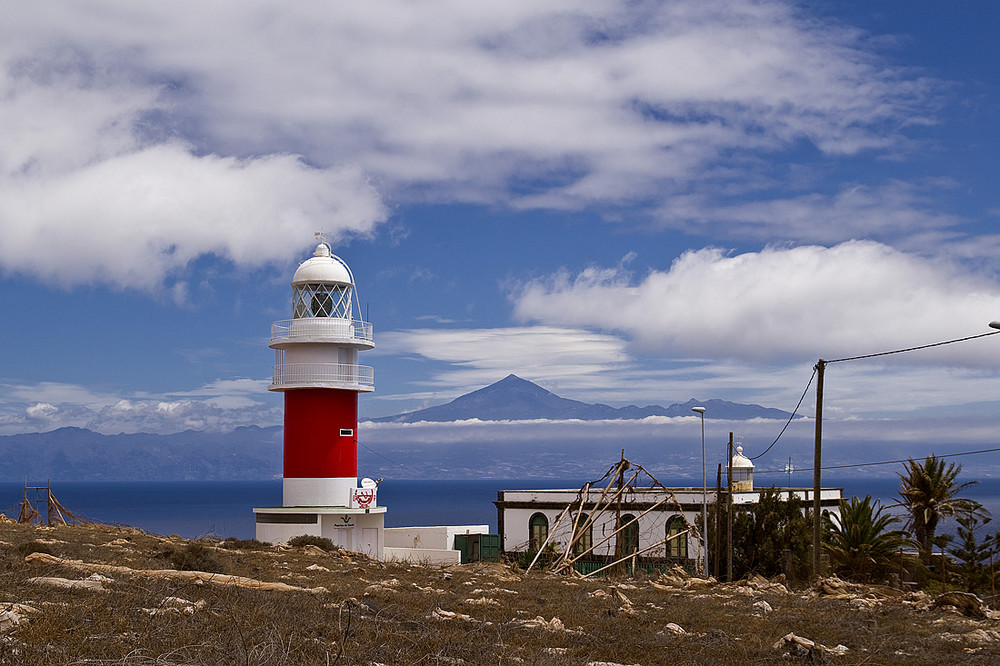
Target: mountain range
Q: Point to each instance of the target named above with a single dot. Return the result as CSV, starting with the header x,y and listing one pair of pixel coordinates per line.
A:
x,y
534,435
516,399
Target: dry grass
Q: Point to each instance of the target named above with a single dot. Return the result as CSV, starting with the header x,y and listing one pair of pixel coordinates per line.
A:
x,y
390,613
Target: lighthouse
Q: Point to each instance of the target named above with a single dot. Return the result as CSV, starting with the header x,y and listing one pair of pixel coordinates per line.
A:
x,y
316,369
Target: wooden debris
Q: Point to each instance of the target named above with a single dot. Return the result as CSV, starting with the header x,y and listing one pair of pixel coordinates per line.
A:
x,y
69,584
799,647
190,576
12,614
967,603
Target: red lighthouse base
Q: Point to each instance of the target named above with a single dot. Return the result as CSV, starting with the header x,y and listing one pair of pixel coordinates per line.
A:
x,y
321,439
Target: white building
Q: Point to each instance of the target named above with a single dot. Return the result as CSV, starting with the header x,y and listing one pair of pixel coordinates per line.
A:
x,y
655,523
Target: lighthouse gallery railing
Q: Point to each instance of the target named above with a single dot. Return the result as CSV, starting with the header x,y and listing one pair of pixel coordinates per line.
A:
x,y
290,374
329,328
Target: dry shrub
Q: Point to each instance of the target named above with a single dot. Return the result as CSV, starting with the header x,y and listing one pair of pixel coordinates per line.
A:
x,y
233,543
29,547
193,557
310,540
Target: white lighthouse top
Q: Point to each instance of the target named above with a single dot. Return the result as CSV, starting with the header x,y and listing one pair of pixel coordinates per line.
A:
x,y
740,460
323,267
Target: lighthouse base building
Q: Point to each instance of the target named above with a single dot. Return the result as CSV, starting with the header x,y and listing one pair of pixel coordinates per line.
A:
x,y
358,530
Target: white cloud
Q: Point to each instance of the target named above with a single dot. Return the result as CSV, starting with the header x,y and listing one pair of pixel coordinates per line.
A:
x,y
780,304
673,444
139,137
41,411
477,357
220,405
892,211
132,219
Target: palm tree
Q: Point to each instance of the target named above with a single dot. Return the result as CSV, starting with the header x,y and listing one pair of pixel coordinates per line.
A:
x,y
858,541
928,492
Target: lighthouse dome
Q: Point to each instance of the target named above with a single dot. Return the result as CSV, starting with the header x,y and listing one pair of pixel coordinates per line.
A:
x,y
740,460
323,267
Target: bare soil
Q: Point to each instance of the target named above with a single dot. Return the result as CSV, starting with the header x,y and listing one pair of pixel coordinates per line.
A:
x,y
143,603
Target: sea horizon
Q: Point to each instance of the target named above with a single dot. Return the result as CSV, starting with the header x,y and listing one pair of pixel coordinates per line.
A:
x,y
194,509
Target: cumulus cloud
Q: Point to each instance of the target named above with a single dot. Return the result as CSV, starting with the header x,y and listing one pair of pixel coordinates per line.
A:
x,y
782,304
41,411
138,138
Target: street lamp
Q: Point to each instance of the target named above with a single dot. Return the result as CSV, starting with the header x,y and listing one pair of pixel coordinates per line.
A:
x,y
704,488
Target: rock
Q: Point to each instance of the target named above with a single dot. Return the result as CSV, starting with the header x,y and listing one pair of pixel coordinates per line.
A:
x,y
675,629
761,608
482,601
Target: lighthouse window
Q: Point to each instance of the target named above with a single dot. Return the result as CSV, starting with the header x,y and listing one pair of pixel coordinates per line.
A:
x,y
322,300
347,432
287,518
677,547
538,530
321,303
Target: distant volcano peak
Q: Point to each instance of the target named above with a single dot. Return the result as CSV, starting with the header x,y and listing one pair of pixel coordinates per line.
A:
x,y
516,399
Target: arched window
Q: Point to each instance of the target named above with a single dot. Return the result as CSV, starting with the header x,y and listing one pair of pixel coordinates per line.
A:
x,y
678,546
538,530
584,536
629,536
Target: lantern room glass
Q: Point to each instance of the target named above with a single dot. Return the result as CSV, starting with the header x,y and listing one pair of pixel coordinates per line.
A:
x,y
321,300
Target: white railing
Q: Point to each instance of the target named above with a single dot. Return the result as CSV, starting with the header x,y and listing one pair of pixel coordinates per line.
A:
x,y
302,374
324,328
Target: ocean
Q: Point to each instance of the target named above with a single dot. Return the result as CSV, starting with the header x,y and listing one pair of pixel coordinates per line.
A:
x,y
194,509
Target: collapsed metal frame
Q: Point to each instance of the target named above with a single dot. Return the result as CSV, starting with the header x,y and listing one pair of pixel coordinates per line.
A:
x,y
28,513
615,477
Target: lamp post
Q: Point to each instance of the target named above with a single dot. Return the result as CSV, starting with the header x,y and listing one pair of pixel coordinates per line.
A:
x,y
704,489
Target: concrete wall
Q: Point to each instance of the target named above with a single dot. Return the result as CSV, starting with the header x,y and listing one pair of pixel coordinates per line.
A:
x,y
436,538
283,532
422,555
362,533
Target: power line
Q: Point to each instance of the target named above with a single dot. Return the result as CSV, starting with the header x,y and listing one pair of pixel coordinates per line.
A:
x,y
792,416
855,358
888,462
909,349
371,450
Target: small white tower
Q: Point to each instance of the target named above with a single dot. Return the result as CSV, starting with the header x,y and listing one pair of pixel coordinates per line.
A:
x,y
742,471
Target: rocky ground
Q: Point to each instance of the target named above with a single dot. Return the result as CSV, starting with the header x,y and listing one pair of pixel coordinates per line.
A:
x,y
103,595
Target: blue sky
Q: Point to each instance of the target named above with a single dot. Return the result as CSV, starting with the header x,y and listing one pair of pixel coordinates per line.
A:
x,y
636,202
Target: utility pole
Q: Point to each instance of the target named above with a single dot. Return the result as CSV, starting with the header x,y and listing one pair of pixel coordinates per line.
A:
x,y
729,512
817,455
